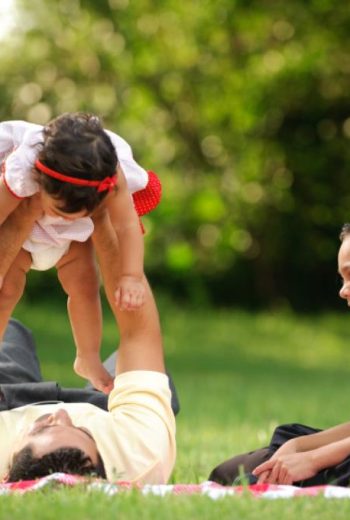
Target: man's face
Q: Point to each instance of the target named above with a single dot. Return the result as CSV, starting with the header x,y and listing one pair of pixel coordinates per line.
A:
x,y
344,268
53,431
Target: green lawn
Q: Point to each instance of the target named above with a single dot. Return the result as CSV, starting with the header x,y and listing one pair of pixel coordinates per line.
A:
x,y
238,375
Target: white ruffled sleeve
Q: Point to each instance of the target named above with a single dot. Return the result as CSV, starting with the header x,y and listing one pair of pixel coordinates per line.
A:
x,y
11,135
18,175
6,141
136,176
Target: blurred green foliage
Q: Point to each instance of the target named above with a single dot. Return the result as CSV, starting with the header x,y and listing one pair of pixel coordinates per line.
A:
x,y
241,107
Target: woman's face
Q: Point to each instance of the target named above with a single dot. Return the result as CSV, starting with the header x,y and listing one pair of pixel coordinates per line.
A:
x,y
344,268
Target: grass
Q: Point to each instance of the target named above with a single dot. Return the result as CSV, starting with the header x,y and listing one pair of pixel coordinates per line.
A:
x,y
238,375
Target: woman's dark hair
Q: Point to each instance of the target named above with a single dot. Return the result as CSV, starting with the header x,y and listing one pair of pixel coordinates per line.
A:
x,y
345,231
66,460
76,145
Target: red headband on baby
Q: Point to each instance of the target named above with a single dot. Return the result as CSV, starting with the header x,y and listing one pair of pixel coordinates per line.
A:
x,y
107,183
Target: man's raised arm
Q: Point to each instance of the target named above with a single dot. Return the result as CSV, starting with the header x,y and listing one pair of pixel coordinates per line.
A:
x,y
14,231
140,335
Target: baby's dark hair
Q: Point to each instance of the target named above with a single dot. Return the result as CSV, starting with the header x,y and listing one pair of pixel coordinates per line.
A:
x,y
76,145
345,231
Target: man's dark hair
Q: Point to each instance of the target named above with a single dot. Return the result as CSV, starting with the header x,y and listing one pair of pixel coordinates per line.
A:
x,y
345,231
75,144
66,460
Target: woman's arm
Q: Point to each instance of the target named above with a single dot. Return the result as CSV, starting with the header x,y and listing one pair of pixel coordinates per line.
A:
x,y
303,457
316,440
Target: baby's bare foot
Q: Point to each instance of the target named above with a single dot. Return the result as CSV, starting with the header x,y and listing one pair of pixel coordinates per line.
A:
x,y
91,368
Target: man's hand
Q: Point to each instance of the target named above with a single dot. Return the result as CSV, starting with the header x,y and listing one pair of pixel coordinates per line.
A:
x,y
286,469
130,293
15,230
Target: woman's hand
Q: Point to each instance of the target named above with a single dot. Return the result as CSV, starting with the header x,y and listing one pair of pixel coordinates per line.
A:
x,y
286,468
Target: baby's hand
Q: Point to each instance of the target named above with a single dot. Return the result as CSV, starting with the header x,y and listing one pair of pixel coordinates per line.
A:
x,y
130,293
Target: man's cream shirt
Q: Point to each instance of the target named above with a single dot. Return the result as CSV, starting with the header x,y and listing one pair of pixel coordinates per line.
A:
x,y
135,438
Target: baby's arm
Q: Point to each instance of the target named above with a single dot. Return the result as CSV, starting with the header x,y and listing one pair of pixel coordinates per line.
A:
x,y
130,290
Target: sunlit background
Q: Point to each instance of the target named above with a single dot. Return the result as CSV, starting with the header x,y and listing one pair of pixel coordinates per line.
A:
x,y
8,16
243,110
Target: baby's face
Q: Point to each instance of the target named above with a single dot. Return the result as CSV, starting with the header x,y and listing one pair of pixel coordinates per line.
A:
x,y
50,206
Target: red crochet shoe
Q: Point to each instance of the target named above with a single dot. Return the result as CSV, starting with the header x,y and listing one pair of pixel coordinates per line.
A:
x,y
148,199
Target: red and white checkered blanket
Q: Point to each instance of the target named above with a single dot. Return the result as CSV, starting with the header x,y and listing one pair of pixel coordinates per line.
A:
x,y
209,489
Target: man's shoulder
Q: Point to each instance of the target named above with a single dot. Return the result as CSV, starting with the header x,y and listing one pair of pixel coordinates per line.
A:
x,y
138,439
140,381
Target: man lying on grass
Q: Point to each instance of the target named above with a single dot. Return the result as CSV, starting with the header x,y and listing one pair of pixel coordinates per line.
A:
x,y
299,454
133,440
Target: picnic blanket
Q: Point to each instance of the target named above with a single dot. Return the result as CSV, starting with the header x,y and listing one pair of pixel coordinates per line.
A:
x,y
209,489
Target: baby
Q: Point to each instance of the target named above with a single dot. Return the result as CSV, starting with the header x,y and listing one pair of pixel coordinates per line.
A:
x,y
73,167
